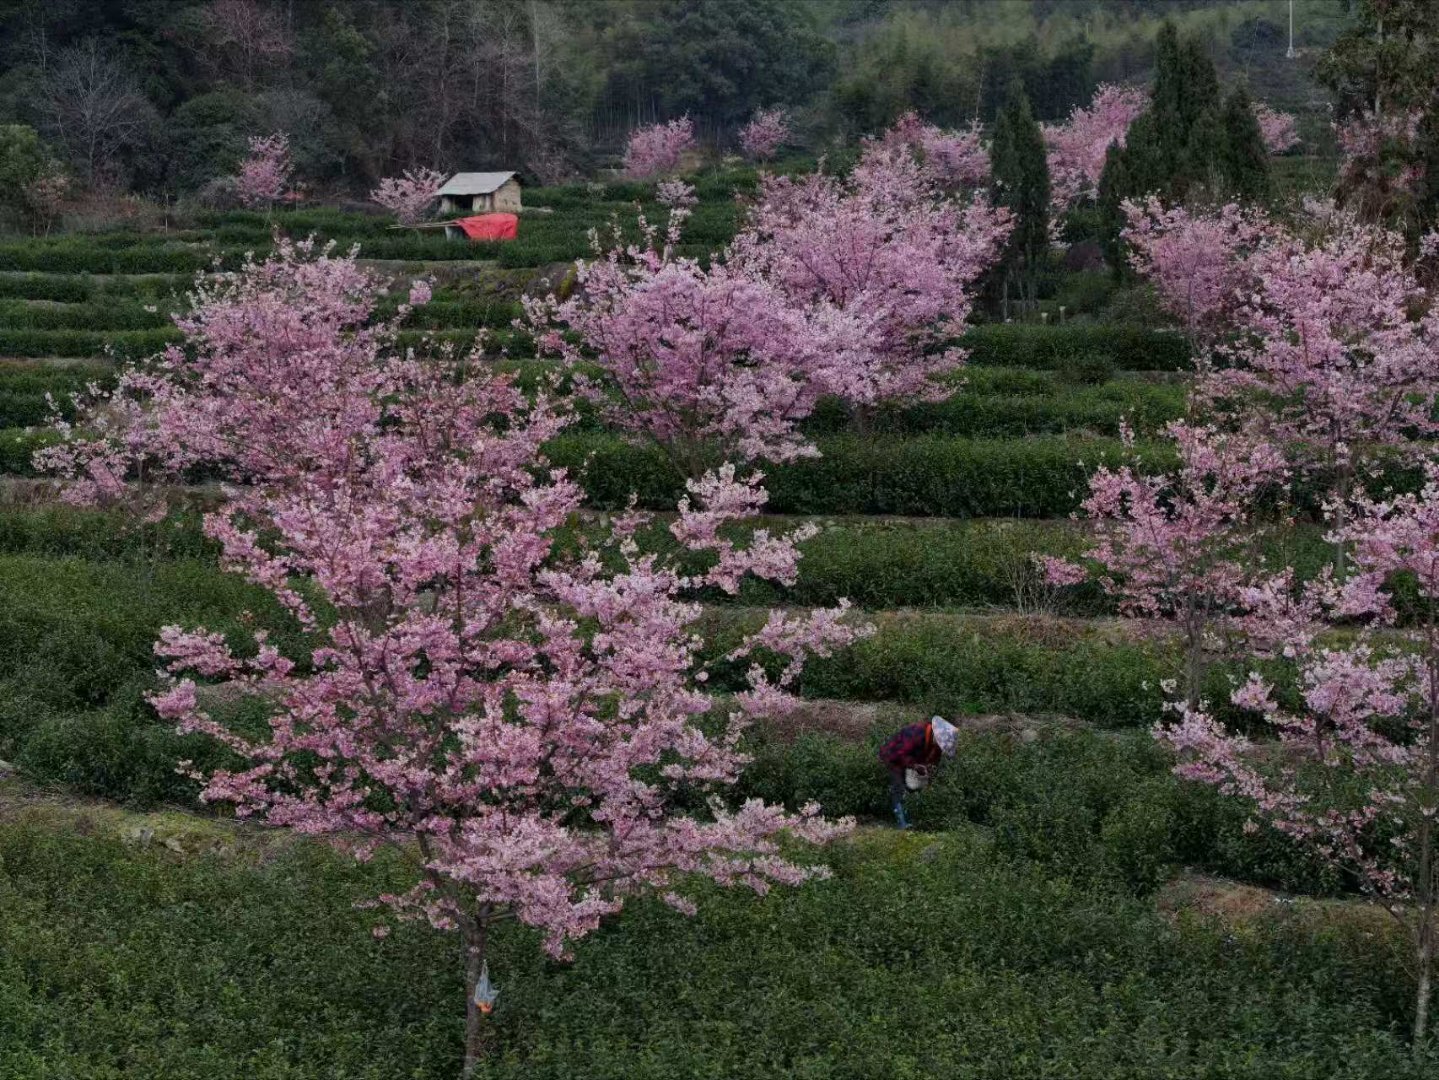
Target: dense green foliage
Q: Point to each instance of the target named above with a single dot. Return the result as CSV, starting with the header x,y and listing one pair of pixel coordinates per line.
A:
x,y
1192,142
925,955
1020,183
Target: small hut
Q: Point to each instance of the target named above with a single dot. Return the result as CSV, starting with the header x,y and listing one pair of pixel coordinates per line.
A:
x,y
481,193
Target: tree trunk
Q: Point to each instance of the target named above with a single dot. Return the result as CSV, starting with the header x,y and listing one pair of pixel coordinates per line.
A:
x,y
1425,878
1341,519
475,934
1426,966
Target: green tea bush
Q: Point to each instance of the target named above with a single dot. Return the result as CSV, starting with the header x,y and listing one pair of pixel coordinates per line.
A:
x,y
979,411
122,344
63,288
78,257
19,315
17,448
455,314
923,956
26,390
58,531
1127,348
928,475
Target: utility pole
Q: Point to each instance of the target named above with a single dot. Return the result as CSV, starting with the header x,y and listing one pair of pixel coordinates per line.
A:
x,y
1291,54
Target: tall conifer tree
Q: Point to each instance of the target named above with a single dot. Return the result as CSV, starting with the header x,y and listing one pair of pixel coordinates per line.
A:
x,y
1020,173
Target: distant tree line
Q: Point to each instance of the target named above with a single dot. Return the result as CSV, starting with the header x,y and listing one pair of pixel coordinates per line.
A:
x,y
161,95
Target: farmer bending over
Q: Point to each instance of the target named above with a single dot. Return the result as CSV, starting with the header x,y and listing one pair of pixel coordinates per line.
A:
x,y
910,754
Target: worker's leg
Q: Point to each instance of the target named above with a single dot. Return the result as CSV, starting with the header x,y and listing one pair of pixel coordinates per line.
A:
x,y
897,792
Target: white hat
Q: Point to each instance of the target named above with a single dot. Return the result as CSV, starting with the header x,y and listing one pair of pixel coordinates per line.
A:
x,y
945,734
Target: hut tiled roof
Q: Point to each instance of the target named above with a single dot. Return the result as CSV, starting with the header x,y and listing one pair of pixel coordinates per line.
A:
x,y
475,183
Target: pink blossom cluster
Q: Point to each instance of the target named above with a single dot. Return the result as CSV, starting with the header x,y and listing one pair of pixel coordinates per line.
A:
x,y
1329,358
847,286
657,149
1355,780
1077,147
950,159
1198,262
1278,128
409,196
1378,168
528,721
264,176
766,132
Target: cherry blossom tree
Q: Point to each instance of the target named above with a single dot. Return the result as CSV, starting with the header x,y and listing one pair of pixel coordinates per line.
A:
x,y
951,159
1356,775
409,196
849,286
1183,546
1278,128
884,249
1311,343
658,148
708,362
1197,261
1379,167
1332,362
1077,147
766,132
521,725
264,176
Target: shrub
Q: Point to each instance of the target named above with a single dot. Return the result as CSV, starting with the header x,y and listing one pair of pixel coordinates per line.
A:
x,y
122,344
46,287
919,476
979,962
1127,348
20,315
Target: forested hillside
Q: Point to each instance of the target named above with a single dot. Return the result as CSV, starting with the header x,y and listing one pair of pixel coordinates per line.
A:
x,y
160,95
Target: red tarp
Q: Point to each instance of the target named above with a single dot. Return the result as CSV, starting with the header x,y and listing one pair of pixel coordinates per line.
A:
x,y
491,226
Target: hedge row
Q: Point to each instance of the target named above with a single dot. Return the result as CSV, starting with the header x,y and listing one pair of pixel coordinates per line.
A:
x,y
26,390
923,956
80,259
976,665
1097,807
122,344
20,315
459,314
58,287
981,411
924,476
1124,348
78,288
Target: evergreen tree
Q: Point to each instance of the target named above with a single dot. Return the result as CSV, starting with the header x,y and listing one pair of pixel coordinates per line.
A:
x,y
1181,144
1020,183
1116,183
1244,162
1427,151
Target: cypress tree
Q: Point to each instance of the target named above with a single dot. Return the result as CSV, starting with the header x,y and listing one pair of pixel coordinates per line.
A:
x,y
1116,183
1244,162
1020,172
1427,151
1203,167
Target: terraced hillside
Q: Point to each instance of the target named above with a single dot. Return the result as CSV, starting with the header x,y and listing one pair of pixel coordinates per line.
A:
x,y
1018,932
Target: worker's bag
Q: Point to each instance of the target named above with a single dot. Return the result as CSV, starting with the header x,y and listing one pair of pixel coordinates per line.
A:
x,y
916,778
